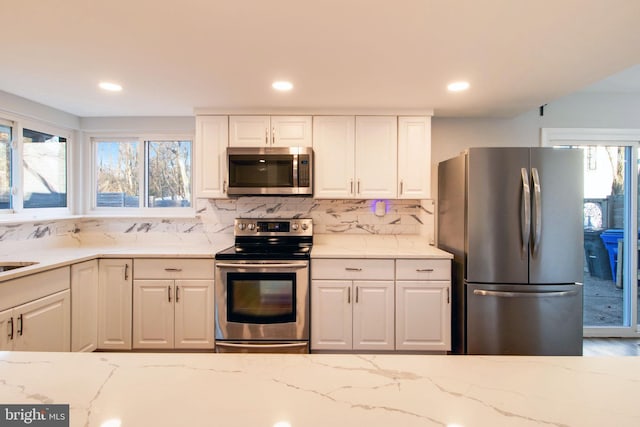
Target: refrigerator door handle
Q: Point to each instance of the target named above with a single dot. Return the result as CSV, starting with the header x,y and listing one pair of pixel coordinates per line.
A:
x,y
525,208
537,211
504,294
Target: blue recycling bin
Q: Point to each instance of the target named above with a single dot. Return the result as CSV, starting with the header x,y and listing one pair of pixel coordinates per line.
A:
x,y
610,239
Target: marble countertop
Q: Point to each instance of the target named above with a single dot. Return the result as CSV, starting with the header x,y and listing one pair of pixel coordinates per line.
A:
x,y
207,389
325,246
374,246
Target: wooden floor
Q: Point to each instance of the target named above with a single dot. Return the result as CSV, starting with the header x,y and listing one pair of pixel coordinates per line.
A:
x,y
611,347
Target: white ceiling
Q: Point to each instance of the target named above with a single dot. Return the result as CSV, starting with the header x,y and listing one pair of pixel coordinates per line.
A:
x,y
176,56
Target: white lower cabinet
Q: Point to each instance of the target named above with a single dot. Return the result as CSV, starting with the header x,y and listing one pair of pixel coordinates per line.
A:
x,y
170,311
381,304
114,304
352,314
44,322
423,305
84,306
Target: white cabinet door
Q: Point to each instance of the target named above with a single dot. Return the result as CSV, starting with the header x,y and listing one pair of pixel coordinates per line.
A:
x,y
84,306
376,157
331,316
153,313
423,315
291,131
194,320
270,131
334,157
212,135
44,324
414,157
249,131
114,304
7,330
373,315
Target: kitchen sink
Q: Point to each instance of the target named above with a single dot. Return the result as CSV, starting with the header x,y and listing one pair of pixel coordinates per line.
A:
x,y
12,265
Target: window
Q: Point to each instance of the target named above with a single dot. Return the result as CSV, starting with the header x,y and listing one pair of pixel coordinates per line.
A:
x,y
142,173
44,170
33,168
6,132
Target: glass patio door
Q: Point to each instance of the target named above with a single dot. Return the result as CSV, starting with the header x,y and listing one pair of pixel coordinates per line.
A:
x,y
611,233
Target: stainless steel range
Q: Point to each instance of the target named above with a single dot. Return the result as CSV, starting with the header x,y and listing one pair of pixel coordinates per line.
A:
x,y
262,287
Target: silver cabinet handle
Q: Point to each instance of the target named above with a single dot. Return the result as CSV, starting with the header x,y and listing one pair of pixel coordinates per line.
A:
x,y
273,136
10,326
266,136
357,294
448,296
126,271
348,295
358,187
401,187
224,186
173,270
169,292
352,269
351,187
525,214
424,270
20,325
537,211
177,293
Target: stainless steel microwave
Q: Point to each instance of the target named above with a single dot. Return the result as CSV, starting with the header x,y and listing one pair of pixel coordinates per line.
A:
x,y
270,171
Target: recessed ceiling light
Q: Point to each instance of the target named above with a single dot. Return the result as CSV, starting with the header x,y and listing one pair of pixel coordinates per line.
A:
x,y
458,86
282,85
110,86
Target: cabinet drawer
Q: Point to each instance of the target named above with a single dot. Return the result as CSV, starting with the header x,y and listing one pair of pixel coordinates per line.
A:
x,y
423,269
352,269
172,268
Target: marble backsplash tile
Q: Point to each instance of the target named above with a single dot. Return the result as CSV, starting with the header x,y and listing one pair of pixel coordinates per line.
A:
x,y
214,221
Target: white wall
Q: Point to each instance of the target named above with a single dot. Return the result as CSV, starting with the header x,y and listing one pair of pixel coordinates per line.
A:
x,y
450,136
16,106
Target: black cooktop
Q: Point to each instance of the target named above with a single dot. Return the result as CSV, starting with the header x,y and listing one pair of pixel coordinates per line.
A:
x,y
268,249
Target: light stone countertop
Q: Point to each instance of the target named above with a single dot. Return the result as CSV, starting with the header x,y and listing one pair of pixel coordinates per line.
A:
x,y
239,390
325,246
374,246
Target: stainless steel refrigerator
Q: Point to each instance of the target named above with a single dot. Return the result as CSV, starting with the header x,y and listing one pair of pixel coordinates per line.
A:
x,y
512,217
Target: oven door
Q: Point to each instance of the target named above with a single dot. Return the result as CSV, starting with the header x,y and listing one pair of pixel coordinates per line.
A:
x,y
262,300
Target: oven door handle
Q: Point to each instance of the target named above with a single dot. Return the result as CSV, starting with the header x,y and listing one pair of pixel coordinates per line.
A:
x,y
262,346
283,265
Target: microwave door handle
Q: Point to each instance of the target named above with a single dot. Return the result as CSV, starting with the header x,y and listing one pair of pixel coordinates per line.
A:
x,y
282,265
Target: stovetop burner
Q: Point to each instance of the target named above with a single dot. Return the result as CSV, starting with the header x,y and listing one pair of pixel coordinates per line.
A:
x,y
277,239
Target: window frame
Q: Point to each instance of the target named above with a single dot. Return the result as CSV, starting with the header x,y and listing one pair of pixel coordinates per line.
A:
x,y
18,212
141,138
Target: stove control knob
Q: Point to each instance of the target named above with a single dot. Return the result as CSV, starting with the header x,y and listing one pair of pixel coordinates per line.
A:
x,y
242,226
294,226
304,226
251,226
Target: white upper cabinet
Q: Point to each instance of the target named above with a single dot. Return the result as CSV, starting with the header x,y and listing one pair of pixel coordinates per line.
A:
x,y
376,156
414,157
270,131
334,157
212,135
355,157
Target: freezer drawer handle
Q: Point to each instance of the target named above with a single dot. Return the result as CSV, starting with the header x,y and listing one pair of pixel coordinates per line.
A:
x,y
503,294
424,270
